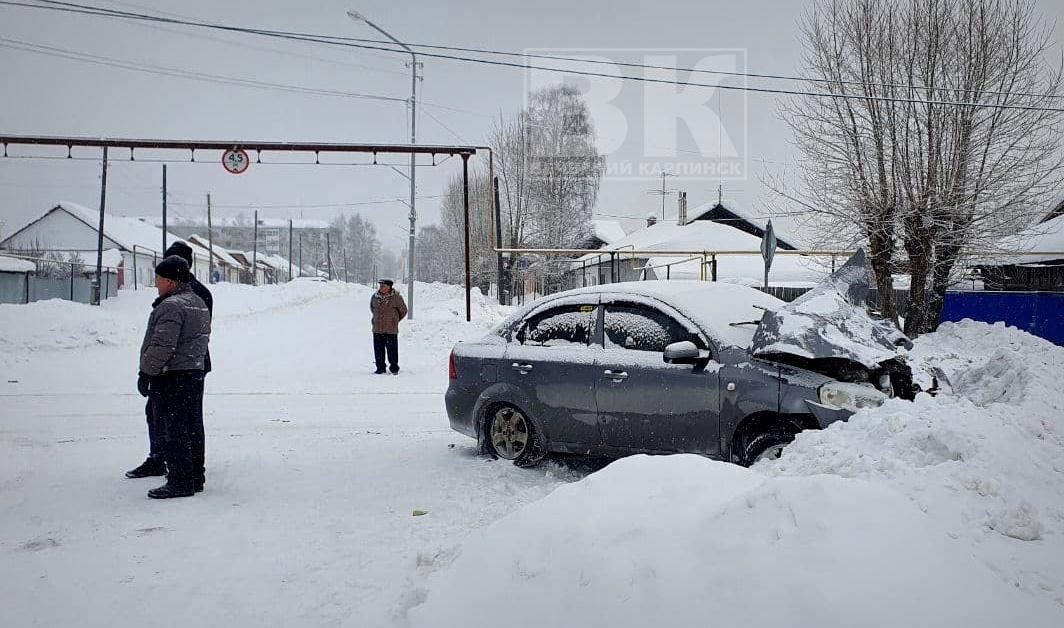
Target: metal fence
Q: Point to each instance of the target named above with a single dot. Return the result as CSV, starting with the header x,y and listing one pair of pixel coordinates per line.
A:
x,y
56,279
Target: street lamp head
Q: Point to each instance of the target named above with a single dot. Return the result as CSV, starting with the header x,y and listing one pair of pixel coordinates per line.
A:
x,y
355,15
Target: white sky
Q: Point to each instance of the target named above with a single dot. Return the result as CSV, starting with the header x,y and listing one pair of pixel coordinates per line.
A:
x,y
54,96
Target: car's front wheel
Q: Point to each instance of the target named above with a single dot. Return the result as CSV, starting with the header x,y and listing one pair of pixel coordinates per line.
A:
x,y
767,445
512,436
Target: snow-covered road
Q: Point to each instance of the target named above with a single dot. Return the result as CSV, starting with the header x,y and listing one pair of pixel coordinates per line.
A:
x,y
315,467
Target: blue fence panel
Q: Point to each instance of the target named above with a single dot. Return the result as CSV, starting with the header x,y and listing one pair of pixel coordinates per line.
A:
x,y
1040,313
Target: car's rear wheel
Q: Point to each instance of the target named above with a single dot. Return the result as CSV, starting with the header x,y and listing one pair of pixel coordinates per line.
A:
x,y
512,436
767,445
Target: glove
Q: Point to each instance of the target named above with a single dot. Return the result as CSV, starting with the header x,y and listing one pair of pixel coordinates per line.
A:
x,y
143,384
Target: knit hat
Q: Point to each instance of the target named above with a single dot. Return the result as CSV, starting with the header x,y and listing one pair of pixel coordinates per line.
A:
x,y
387,282
174,268
181,250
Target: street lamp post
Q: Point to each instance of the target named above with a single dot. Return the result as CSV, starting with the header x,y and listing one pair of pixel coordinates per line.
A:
x,y
358,17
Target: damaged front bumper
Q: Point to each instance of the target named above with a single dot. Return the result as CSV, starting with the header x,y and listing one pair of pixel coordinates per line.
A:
x,y
826,415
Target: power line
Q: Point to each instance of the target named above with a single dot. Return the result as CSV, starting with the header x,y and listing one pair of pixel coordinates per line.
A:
x,y
350,42
259,48
25,46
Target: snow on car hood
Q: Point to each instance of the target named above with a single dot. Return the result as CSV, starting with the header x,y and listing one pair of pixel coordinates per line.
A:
x,y
832,321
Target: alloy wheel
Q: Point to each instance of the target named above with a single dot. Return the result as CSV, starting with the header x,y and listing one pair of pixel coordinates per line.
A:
x,y
509,433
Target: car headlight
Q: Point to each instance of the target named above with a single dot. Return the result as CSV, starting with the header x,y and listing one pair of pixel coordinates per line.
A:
x,y
852,397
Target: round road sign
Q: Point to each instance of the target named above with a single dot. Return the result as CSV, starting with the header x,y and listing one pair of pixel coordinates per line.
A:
x,y
236,161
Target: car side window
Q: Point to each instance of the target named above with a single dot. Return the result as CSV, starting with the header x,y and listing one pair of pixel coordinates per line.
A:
x,y
641,328
561,326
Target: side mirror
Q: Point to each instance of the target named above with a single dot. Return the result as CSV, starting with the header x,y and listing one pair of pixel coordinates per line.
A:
x,y
685,352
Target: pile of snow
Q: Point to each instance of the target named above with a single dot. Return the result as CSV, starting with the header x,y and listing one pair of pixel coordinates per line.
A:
x,y
57,324
685,541
986,460
947,511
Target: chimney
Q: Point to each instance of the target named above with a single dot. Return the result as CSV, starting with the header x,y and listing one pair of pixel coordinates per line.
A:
x,y
652,219
682,214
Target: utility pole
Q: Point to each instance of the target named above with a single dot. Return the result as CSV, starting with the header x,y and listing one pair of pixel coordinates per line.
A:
x,y
343,247
164,209
99,233
328,253
289,249
358,17
468,270
498,243
300,253
210,241
255,251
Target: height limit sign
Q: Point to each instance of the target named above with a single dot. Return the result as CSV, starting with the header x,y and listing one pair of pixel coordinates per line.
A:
x,y
236,161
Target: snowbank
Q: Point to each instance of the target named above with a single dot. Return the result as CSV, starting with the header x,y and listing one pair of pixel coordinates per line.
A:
x,y
987,460
685,541
252,341
948,511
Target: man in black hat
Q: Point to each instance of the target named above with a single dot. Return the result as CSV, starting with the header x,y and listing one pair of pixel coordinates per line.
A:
x,y
155,465
172,362
388,308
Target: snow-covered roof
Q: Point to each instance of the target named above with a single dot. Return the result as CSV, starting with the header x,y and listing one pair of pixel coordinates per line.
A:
x,y
123,231
220,253
609,231
695,236
112,258
1045,241
784,226
16,265
274,261
713,306
787,270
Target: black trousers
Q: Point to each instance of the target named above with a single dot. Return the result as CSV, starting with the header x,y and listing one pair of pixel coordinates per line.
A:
x,y
176,405
157,431
386,344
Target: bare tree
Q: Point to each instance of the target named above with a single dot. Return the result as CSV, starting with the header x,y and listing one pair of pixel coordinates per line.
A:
x,y
549,172
944,136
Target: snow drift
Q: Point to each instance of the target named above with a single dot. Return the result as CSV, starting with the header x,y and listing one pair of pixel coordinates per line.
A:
x,y
684,541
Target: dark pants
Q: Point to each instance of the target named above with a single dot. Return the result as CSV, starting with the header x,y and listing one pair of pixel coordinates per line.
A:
x,y
157,430
176,401
386,343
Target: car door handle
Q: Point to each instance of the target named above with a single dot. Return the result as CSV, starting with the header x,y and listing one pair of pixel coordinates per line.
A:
x,y
615,375
523,368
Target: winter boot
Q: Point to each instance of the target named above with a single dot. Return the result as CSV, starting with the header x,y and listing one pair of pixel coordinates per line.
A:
x,y
379,372
170,489
151,467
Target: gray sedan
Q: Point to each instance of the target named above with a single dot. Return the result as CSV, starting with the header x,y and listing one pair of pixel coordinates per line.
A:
x,y
646,367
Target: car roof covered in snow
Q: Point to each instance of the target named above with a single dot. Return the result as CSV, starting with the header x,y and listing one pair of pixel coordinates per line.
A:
x,y
712,306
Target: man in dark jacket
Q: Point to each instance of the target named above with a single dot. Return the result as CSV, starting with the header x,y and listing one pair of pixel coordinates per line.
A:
x,y
388,308
172,362
155,464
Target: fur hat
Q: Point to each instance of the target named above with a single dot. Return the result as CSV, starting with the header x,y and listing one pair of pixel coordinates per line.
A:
x,y
387,282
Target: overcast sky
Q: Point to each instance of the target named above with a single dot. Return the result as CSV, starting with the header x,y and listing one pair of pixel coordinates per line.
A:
x,y
60,96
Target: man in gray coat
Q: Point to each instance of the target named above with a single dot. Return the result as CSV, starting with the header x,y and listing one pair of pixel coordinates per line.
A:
x,y
155,463
172,362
